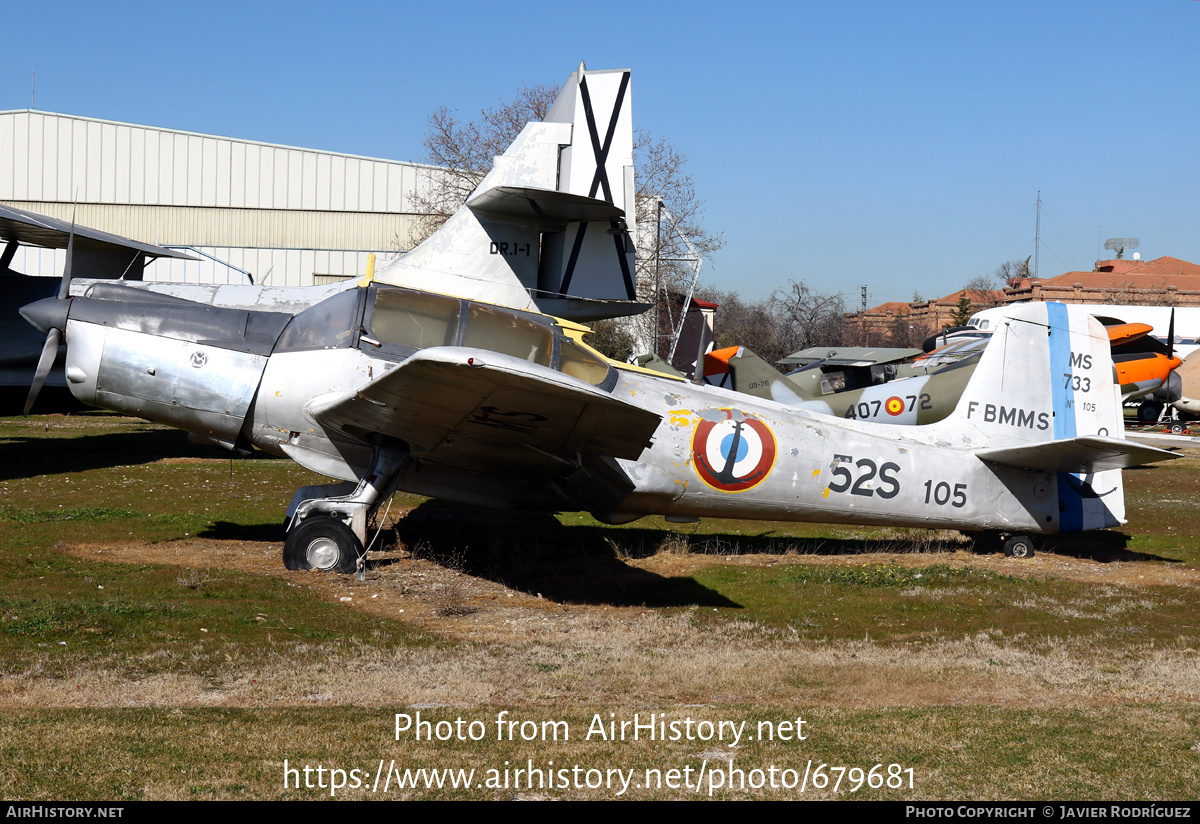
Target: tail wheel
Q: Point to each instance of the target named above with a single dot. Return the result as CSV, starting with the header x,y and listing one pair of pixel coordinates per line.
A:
x,y
1019,546
324,544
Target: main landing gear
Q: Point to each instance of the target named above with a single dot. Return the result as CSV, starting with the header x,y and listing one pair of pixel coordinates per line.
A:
x,y
327,530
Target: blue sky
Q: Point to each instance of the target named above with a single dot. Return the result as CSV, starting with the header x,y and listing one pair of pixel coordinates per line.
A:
x,y
897,145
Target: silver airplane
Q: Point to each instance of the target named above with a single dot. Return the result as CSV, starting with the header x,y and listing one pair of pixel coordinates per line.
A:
x,y
385,386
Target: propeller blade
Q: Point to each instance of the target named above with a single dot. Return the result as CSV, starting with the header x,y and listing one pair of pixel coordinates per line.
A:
x,y
49,353
64,288
1171,335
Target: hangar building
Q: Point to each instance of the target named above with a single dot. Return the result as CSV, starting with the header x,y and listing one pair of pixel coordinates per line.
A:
x,y
284,215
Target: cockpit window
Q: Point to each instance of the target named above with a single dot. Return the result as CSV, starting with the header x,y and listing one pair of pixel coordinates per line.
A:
x,y
329,324
508,334
580,362
416,319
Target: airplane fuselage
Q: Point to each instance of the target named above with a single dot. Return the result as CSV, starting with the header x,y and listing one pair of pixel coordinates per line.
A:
x,y
254,379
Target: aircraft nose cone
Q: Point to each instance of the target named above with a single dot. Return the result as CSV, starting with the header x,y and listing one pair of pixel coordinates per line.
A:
x,y
47,313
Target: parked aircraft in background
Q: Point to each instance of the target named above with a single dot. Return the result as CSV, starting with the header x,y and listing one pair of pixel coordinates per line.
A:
x,y
871,385
1141,353
908,399
389,386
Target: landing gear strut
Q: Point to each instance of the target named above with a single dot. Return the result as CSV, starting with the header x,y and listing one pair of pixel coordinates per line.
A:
x,y
328,532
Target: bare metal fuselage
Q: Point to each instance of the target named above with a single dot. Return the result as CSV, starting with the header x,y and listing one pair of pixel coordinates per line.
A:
x,y
714,453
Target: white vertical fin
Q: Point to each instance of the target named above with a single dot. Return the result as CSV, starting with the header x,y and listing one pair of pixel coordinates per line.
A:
x,y
1047,374
584,147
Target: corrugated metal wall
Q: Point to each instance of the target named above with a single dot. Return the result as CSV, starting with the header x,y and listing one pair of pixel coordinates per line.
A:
x,y
51,157
280,210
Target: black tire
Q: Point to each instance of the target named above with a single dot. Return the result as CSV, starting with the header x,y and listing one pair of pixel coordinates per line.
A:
x,y
1149,412
1177,428
1019,546
324,544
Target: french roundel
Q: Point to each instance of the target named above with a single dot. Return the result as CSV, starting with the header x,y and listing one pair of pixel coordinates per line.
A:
x,y
894,405
734,454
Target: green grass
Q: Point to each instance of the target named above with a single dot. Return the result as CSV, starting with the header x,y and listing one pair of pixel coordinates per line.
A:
x,y
102,480
963,752
132,481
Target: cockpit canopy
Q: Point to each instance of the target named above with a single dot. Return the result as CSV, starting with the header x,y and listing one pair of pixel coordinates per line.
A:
x,y
393,323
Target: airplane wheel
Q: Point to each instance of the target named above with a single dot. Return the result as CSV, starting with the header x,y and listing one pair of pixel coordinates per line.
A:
x,y
1149,412
1177,428
1019,546
324,544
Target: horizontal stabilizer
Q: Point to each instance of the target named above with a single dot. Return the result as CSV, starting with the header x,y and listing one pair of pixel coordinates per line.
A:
x,y
584,310
541,208
1079,455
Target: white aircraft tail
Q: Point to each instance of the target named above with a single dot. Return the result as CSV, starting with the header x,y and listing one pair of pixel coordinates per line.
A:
x,y
552,223
1009,401
1043,398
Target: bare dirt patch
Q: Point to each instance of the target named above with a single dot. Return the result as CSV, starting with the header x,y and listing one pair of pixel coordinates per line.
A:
x,y
516,645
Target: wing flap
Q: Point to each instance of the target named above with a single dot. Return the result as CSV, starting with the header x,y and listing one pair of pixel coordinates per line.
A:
x,y
1078,455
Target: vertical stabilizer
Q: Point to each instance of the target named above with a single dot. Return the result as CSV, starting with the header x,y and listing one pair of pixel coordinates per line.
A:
x,y
1047,374
1044,398
553,219
594,259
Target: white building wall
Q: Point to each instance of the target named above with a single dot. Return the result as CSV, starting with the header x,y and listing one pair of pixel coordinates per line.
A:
x,y
283,213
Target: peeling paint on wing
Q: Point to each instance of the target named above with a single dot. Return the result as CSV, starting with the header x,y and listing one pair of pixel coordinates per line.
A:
x,y
795,452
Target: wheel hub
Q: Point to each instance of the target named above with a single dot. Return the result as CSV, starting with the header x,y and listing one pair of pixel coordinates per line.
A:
x,y
322,553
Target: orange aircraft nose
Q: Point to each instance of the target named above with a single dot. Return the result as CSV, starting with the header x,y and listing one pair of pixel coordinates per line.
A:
x,y
716,362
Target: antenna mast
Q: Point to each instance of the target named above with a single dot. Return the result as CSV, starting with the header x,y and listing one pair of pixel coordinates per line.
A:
x,y
1037,238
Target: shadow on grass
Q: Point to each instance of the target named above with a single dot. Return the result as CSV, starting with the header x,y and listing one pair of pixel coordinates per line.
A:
x,y
26,457
534,553
1103,547
229,531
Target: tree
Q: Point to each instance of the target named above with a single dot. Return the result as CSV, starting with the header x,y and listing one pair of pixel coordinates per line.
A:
x,y
818,318
463,152
612,339
1011,270
962,312
789,320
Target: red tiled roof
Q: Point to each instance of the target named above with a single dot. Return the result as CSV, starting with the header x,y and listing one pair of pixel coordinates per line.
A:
x,y
1146,274
892,308
973,295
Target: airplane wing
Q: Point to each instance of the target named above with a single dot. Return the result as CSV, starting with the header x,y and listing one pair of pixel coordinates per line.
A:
x,y
850,356
48,232
1087,454
490,413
